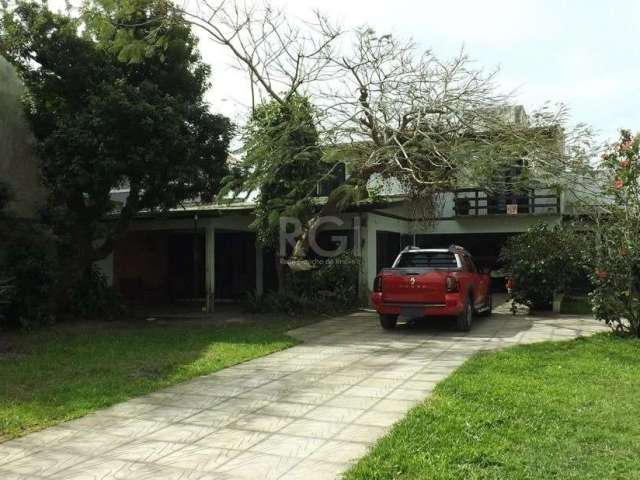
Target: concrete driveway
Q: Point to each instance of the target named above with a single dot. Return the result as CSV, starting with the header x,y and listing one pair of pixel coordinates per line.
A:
x,y
304,413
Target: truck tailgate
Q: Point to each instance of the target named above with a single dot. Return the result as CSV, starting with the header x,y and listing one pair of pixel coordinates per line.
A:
x,y
408,286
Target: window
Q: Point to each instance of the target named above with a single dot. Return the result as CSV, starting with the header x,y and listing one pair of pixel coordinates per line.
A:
x,y
445,260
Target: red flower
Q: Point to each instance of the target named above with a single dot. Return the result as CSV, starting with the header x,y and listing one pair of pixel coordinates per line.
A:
x,y
618,184
626,145
602,274
624,163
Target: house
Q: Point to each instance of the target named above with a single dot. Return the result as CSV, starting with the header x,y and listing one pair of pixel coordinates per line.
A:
x,y
208,252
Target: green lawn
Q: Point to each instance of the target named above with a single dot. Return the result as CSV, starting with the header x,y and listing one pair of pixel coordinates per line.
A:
x,y
552,410
63,372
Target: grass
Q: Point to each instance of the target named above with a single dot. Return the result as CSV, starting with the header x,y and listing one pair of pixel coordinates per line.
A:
x,y
59,373
545,411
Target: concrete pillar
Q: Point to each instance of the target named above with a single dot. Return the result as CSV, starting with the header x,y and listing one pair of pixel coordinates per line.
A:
x,y
210,262
259,270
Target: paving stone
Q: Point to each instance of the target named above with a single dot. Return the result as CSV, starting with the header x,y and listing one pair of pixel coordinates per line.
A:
x,y
44,463
169,414
10,453
379,419
144,450
288,445
286,409
215,419
334,414
315,470
346,401
394,405
248,464
340,451
361,433
262,423
233,439
180,433
313,428
199,458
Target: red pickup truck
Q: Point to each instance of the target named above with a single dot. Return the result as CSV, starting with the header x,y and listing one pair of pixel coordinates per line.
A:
x,y
432,282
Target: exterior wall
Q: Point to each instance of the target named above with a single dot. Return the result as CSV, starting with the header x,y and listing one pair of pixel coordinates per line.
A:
x,y
375,223
18,165
395,219
398,219
488,224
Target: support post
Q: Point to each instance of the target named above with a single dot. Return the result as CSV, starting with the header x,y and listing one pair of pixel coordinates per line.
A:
x,y
259,270
210,252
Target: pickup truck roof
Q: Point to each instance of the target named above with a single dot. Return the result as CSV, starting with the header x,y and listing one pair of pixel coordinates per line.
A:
x,y
453,254
451,248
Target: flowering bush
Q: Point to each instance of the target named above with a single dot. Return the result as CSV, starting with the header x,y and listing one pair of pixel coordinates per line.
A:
x,y
616,278
544,260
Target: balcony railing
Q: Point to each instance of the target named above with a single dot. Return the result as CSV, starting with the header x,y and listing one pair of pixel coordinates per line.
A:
x,y
475,202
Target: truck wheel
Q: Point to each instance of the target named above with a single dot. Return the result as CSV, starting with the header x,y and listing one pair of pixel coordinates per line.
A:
x,y
465,319
388,322
489,308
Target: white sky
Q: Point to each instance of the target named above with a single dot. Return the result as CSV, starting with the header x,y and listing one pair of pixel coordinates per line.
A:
x,y
583,53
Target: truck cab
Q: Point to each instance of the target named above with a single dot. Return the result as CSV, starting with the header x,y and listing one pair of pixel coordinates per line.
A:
x,y
432,283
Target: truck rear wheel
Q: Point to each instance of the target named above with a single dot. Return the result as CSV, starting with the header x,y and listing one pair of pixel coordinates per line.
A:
x,y
465,319
388,322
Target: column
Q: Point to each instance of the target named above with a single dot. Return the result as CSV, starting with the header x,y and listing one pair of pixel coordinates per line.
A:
x,y
259,270
210,252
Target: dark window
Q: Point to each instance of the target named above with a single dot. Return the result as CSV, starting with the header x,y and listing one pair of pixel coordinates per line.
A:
x,y
427,260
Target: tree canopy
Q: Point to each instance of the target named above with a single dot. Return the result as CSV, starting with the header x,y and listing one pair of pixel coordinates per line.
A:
x,y
281,164
104,118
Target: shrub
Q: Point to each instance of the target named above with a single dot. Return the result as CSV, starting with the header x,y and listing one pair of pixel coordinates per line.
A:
x,y
331,287
616,277
92,297
28,258
545,260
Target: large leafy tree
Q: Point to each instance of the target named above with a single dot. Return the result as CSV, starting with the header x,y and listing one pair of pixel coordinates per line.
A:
x,y
282,163
112,107
395,111
616,293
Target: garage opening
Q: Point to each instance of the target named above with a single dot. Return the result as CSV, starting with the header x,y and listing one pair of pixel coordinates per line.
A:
x,y
235,263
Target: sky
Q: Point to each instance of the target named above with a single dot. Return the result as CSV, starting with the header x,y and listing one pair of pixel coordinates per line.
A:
x,y
585,54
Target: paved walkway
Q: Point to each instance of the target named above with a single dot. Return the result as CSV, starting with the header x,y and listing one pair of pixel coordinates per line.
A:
x,y
304,413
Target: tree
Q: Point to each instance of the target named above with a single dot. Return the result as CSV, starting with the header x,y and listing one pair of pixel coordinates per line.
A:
x,y
282,163
395,111
544,261
616,294
112,107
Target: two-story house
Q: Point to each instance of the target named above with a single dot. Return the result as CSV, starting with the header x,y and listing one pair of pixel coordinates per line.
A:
x,y
207,252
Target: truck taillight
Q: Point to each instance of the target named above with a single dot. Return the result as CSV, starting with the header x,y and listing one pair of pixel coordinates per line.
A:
x,y
452,285
377,284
